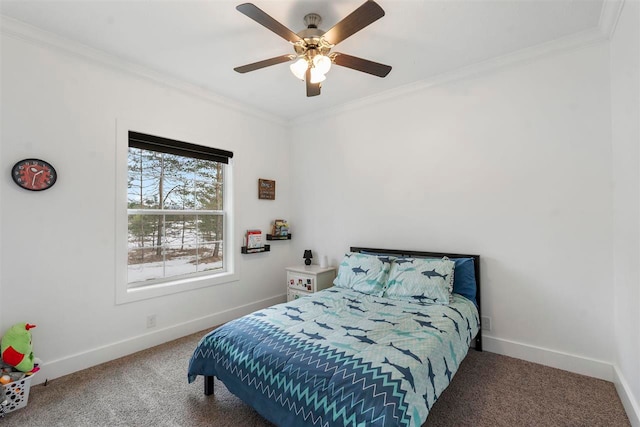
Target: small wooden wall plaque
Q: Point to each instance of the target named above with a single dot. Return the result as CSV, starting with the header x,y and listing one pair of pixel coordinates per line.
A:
x,y
266,189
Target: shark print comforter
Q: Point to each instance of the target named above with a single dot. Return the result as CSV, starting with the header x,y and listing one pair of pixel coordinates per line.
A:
x,y
340,358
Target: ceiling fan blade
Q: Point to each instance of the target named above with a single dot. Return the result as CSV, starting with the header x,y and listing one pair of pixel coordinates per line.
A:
x,y
360,64
261,17
265,63
366,14
313,89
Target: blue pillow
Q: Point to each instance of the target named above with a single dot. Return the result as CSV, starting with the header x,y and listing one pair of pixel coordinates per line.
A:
x,y
464,279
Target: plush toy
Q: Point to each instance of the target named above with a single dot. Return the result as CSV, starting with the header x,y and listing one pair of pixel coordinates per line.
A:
x,y
16,347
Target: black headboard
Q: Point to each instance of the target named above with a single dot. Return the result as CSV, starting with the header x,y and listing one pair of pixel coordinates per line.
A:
x,y
422,254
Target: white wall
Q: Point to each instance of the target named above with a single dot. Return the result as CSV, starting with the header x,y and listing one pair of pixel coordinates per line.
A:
x,y
57,268
513,165
625,113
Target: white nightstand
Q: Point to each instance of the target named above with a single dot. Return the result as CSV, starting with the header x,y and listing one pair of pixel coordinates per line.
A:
x,y
306,279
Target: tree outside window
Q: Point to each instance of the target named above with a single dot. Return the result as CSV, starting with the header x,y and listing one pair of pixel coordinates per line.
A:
x,y
176,216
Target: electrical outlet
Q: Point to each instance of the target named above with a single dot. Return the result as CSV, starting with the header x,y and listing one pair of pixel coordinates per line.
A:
x,y
486,323
151,321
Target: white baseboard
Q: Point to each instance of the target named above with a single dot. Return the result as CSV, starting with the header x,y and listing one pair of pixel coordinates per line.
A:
x,y
568,362
572,363
544,356
629,401
77,362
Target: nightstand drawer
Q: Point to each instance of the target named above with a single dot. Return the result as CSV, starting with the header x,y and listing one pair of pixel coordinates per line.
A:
x,y
301,282
293,294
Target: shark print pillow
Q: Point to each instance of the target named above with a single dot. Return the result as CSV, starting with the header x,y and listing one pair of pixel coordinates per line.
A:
x,y
363,273
426,280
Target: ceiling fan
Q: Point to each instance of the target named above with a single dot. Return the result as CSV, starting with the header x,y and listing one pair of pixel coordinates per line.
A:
x,y
313,46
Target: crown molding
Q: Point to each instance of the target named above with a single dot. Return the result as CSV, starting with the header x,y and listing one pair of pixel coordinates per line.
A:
x,y
608,20
609,16
522,56
23,31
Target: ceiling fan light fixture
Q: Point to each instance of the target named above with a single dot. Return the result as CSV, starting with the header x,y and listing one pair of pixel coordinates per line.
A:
x,y
299,68
322,63
317,76
312,46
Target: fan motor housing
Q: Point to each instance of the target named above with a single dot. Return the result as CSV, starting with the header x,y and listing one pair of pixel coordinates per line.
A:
x,y
312,40
312,36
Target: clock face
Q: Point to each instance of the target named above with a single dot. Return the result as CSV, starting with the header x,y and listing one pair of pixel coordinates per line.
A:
x,y
34,174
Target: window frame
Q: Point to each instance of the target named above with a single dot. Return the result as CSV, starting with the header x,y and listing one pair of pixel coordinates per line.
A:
x,y
125,294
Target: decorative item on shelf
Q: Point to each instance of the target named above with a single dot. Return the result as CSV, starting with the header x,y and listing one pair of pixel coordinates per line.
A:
x,y
324,262
253,243
279,231
307,257
266,189
253,239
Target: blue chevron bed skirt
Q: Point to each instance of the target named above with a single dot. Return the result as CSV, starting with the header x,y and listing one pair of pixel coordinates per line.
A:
x,y
341,358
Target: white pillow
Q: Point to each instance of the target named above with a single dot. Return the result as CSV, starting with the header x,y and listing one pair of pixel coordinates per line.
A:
x,y
427,280
363,273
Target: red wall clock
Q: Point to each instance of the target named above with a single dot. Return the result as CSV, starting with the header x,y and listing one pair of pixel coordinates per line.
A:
x,y
34,174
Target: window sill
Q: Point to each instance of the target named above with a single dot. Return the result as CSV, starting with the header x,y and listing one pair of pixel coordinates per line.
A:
x,y
124,296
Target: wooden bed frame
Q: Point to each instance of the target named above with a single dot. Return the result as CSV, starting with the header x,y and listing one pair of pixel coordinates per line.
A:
x,y
208,380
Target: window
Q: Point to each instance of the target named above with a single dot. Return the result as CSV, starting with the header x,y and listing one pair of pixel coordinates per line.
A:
x,y
177,216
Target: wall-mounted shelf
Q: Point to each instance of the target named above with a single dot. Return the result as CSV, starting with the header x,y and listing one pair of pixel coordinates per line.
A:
x,y
265,248
272,237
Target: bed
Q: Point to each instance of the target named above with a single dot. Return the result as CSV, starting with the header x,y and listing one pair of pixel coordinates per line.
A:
x,y
344,357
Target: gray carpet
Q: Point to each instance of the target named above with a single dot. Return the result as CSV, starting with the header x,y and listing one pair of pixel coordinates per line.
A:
x,y
150,389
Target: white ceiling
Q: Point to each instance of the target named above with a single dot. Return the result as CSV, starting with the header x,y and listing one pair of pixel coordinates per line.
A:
x,y
200,42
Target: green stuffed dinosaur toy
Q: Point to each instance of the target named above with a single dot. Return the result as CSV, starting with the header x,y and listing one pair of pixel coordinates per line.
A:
x,y
16,347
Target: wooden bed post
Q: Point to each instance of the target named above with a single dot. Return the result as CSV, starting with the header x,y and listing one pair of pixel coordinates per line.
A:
x,y
208,385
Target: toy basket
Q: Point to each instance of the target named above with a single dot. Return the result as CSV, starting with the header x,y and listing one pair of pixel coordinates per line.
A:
x,y
17,394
